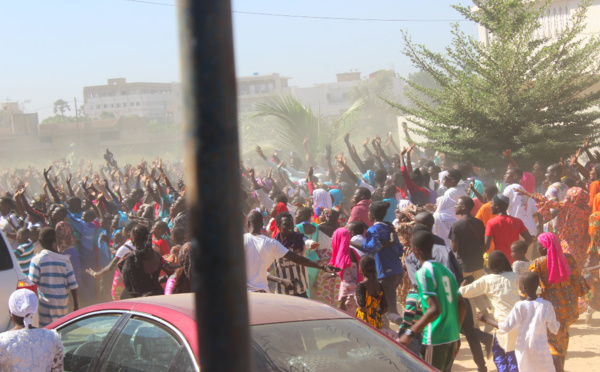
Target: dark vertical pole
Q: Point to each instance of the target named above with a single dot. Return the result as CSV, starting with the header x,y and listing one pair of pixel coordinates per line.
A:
x,y
213,187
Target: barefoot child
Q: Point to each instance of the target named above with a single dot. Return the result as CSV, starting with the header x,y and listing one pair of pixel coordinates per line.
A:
x,y
369,294
533,318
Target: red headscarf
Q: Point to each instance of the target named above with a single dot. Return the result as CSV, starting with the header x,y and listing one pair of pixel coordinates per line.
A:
x,y
528,182
341,251
281,207
558,267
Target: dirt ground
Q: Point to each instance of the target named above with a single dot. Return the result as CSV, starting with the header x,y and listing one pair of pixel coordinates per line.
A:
x,y
583,355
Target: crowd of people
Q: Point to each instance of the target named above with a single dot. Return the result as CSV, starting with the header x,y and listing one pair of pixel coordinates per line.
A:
x,y
403,239
407,237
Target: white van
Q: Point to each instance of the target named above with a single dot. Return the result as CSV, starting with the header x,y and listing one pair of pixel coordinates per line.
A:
x,y
11,278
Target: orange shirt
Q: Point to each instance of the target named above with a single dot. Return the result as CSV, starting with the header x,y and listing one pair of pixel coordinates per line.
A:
x,y
485,214
594,189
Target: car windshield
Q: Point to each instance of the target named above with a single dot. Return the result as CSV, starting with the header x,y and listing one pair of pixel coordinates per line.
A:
x,y
327,345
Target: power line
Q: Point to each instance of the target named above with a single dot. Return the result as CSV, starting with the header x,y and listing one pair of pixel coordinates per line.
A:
x,y
317,17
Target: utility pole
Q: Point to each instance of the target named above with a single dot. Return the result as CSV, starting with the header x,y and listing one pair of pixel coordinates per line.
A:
x,y
213,184
76,123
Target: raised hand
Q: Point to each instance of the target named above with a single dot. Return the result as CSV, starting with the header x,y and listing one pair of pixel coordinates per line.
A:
x,y
310,171
366,142
259,152
507,153
411,147
46,171
389,139
305,140
269,176
586,144
69,178
347,137
404,151
472,185
251,173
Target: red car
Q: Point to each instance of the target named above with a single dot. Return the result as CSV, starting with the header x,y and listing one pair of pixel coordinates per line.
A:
x,y
287,334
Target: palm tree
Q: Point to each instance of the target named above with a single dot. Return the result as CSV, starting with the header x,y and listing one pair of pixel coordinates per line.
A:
x,y
61,106
295,122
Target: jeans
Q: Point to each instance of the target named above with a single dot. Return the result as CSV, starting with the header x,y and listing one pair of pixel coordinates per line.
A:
x,y
389,284
505,362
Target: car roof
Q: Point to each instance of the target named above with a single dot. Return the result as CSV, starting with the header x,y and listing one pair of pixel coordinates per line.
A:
x,y
264,308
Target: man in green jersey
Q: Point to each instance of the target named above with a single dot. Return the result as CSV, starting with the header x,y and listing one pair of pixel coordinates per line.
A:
x,y
443,307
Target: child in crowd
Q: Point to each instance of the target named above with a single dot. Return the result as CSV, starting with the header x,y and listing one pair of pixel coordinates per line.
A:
x,y
533,318
443,307
24,252
357,230
518,250
369,294
54,276
34,234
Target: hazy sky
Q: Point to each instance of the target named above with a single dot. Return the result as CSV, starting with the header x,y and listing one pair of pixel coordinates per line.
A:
x,y
52,49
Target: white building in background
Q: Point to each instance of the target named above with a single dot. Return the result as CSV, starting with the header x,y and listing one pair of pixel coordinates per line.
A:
x,y
255,88
328,99
556,19
162,101
155,101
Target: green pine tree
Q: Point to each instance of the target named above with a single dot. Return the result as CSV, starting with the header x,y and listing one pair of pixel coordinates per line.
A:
x,y
533,94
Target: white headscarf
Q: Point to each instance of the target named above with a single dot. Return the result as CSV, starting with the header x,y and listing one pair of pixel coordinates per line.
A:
x,y
445,215
322,198
23,303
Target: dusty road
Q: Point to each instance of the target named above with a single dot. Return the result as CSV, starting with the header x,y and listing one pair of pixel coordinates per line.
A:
x,y
583,356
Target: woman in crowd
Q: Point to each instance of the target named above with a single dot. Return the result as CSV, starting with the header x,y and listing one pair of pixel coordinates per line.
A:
x,y
345,258
141,269
25,348
561,284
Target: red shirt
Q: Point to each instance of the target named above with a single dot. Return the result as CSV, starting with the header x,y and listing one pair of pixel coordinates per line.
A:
x,y
163,245
360,212
504,231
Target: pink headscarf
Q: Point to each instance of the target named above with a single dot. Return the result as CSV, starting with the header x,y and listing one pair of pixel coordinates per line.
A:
x,y
528,182
558,267
340,251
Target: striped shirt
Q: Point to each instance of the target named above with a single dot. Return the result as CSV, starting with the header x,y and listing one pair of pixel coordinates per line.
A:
x,y
54,276
24,253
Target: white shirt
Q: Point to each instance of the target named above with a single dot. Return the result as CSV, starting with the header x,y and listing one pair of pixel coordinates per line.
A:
x,y
260,251
503,292
127,247
532,319
7,227
31,350
521,206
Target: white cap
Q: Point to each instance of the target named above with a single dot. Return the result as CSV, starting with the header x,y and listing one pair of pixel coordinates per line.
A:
x,y
23,303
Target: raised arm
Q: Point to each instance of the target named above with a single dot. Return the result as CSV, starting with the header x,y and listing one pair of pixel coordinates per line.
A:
x,y
574,162
511,162
354,155
51,188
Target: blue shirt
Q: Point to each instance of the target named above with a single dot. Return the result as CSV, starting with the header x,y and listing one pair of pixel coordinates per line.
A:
x,y
387,259
390,216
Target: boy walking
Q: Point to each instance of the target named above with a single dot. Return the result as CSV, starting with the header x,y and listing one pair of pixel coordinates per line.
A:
x,y
443,307
533,318
54,276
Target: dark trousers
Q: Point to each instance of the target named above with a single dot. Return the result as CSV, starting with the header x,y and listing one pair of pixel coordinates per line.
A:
x,y
389,284
474,338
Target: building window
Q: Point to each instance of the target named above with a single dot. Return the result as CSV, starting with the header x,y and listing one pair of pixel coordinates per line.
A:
x,y
118,105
